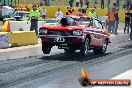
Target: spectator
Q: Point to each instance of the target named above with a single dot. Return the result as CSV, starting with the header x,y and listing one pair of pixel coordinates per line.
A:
x,y
79,13
118,3
81,3
87,3
95,3
84,10
69,11
127,21
43,12
124,4
108,4
59,14
128,4
71,3
111,18
102,4
114,3
131,27
34,15
92,13
77,3
131,5
116,21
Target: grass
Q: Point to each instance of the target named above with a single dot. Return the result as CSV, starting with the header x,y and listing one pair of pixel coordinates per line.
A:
x,y
63,4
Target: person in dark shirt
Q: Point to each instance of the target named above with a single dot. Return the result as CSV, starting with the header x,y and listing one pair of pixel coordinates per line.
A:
x,y
131,27
84,10
116,21
127,21
102,4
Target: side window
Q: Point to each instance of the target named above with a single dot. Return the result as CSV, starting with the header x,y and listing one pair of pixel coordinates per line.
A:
x,y
97,24
101,27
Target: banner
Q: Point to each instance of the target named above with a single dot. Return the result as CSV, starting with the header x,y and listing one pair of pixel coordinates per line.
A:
x,y
4,40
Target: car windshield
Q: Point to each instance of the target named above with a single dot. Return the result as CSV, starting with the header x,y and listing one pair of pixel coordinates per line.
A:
x,y
51,21
10,12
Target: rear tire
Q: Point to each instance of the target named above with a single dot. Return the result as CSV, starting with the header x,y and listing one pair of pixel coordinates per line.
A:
x,y
84,48
102,49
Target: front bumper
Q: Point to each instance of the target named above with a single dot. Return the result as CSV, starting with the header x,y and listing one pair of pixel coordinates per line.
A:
x,y
70,39
54,36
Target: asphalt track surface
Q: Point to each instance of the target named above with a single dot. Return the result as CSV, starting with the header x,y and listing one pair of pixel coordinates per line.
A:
x,y
29,68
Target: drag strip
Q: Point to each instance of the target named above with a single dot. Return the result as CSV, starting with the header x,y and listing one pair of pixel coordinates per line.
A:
x,y
30,68
48,67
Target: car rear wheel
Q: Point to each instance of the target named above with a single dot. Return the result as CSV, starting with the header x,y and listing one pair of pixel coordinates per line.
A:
x,y
46,48
84,48
102,49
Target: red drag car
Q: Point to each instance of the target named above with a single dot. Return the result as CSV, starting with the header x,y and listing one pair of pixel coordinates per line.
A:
x,y
75,33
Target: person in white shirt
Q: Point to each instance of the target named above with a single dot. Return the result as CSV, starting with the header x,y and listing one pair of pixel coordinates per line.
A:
x,y
43,12
59,14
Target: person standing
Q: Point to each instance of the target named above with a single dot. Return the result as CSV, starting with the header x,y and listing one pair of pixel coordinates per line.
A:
x,y
77,3
71,3
79,13
95,3
114,3
34,15
124,4
116,21
87,3
102,4
81,3
127,21
92,13
108,4
128,4
69,11
59,14
43,12
84,10
111,18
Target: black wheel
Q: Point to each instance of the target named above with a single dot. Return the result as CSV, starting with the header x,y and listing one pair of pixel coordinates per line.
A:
x,y
84,48
102,49
46,48
96,51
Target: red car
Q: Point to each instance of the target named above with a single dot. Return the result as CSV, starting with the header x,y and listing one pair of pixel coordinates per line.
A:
x,y
75,33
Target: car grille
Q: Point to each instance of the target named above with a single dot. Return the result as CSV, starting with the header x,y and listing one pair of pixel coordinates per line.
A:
x,y
60,32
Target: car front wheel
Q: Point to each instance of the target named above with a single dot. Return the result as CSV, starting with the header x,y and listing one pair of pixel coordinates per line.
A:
x,y
84,48
46,48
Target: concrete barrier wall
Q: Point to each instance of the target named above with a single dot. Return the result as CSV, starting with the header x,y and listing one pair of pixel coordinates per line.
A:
x,y
16,25
21,38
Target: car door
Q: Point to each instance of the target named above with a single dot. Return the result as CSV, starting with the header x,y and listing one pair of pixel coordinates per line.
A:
x,y
98,32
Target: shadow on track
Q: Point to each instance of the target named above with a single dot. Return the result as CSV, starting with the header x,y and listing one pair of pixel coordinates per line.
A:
x,y
73,57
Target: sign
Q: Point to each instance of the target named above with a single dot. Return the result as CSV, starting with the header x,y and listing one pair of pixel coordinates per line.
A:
x,y
4,40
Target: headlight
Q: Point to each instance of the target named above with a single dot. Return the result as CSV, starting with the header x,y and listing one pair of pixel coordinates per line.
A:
x,y
77,32
43,30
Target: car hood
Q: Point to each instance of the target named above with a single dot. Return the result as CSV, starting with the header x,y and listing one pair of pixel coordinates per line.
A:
x,y
55,27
